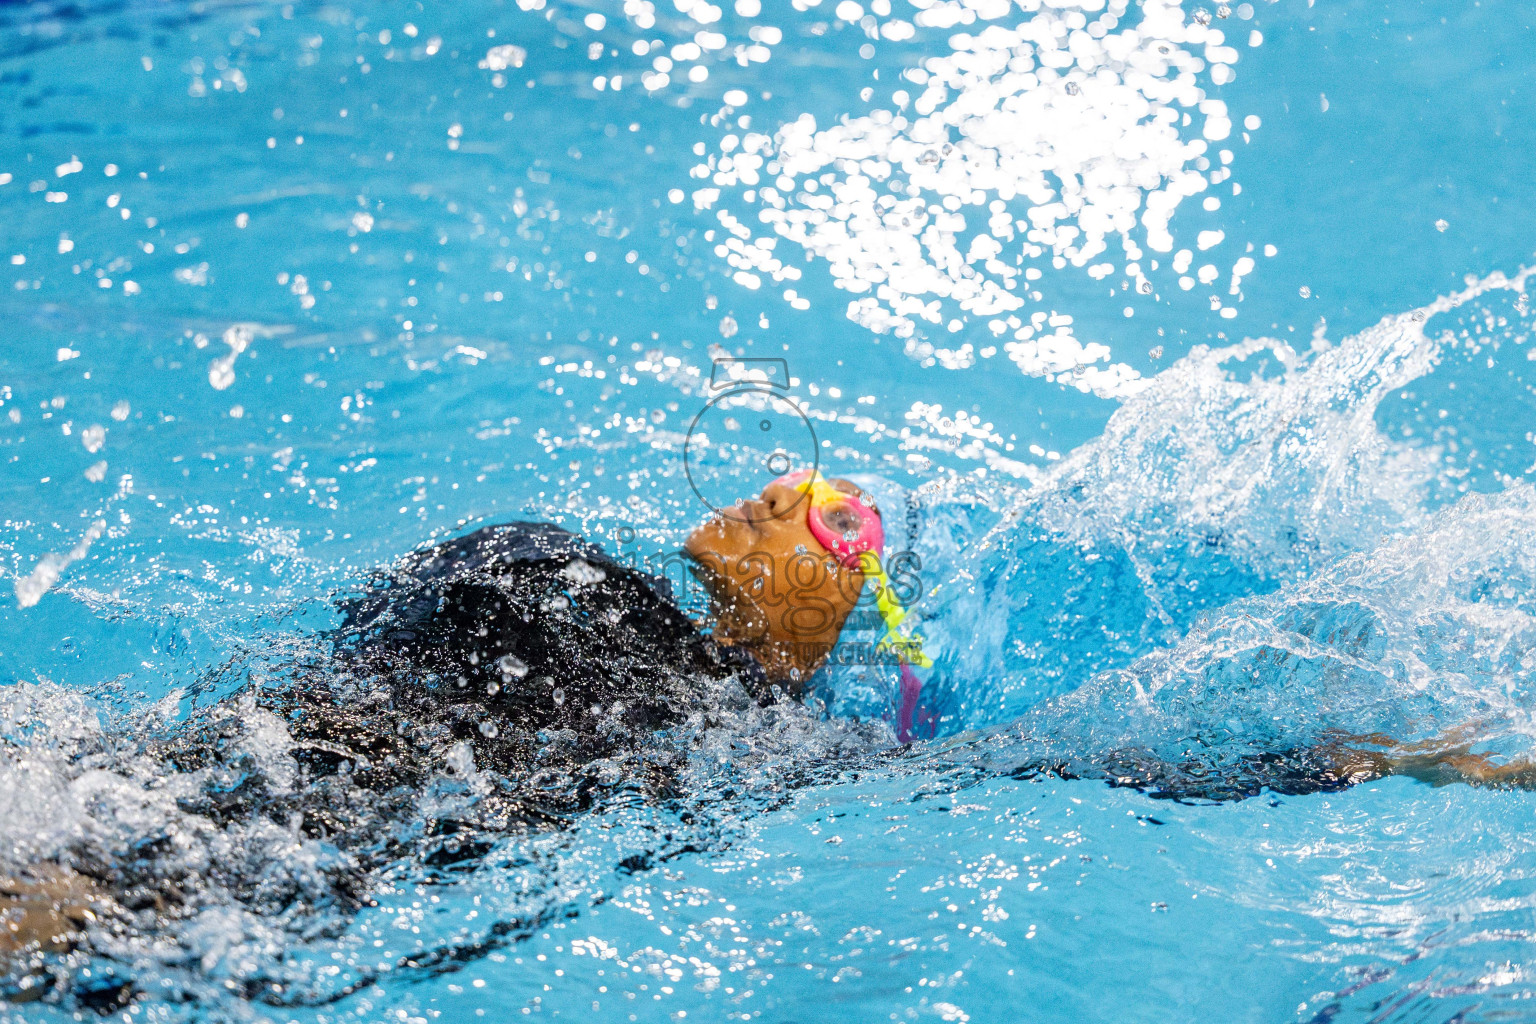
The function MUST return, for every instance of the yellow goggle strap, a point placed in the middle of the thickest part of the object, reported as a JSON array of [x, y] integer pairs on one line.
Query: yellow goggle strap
[[909, 648]]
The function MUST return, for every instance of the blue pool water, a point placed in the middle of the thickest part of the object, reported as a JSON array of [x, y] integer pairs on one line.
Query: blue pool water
[[293, 288]]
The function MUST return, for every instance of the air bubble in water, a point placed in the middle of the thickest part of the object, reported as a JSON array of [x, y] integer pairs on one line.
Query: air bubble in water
[[511, 666], [488, 729], [558, 695]]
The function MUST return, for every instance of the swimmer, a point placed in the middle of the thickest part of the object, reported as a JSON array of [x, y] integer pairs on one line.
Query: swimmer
[[506, 658], [535, 669]]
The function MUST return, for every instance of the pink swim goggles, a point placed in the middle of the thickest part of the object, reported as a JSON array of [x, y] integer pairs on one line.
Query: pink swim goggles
[[852, 532], [842, 523]]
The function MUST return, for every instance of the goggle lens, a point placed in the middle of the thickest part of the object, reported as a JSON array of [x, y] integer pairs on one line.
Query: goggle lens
[[839, 521]]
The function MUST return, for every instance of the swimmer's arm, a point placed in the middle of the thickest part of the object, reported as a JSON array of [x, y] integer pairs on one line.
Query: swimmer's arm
[[1443, 761]]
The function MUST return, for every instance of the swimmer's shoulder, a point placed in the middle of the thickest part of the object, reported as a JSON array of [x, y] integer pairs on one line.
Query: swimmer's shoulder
[[495, 548], [491, 566]]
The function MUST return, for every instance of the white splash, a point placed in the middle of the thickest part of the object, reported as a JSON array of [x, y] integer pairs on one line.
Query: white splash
[[1238, 469], [31, 587], [40, 813], [1407, 638], [1214, 447]]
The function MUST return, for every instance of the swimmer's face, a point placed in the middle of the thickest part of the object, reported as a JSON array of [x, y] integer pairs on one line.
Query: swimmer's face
[[773, 586]]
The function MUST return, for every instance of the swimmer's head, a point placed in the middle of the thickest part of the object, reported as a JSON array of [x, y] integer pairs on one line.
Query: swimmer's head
[[784, 570]]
